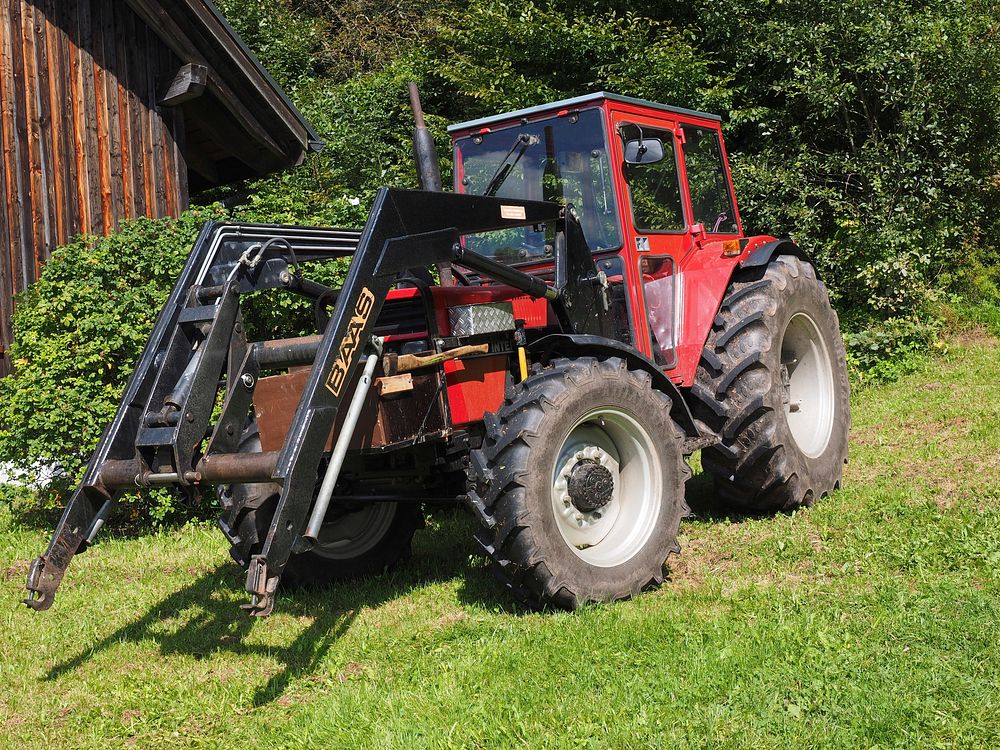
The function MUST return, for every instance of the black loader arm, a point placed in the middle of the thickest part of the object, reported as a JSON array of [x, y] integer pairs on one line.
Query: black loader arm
[[157, 436]]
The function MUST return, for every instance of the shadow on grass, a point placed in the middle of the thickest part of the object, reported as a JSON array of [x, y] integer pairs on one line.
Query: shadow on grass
[[707, 505], [211, 621]]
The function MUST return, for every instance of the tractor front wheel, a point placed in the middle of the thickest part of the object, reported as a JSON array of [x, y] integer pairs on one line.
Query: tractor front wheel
[[580, 482], [356, 541], [772, 383]]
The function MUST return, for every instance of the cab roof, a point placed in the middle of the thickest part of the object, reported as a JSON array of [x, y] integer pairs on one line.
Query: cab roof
[[577, 101]]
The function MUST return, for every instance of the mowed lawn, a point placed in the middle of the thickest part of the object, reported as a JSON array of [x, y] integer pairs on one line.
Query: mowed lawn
[[868, 621]]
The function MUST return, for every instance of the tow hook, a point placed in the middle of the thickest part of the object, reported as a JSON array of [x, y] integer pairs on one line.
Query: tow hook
[[260, 587]]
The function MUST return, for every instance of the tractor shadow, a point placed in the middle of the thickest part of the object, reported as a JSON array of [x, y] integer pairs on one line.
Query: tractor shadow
[[203, 618], [705, 502]]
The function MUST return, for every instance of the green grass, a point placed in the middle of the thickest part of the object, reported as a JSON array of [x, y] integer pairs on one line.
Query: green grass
[[868, 621]]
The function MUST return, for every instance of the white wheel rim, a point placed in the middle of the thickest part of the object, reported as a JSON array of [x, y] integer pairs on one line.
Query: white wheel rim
[[807, 383], [614, 533], [355, 533]]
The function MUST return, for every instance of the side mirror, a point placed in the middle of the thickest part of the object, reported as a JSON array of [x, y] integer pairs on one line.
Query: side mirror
[[645, 151]]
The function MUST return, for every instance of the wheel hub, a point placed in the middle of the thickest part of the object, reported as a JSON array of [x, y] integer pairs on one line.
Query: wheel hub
[[590, 485], [807, 385]]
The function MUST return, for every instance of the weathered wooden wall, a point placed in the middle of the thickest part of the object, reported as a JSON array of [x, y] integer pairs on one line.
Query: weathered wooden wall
[[83, 142]]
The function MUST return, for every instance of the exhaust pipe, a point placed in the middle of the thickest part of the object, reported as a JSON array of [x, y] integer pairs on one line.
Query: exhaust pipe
[[424, 152], [428, 169]]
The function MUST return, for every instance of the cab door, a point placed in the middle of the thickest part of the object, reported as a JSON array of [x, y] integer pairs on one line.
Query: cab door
[[656, 225]]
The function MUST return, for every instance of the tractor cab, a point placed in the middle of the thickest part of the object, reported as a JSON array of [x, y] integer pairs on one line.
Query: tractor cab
[[653, 192]]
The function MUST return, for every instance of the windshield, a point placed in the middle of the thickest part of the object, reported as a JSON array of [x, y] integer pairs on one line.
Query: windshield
[[560, 159]]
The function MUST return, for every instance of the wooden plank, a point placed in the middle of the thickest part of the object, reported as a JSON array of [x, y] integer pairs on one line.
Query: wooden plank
[[111, 86], [36, 195], [136, 74], [10, 171], [180, 163], [6, 287], [61, 155], [46, 147], [88, 108], [391, 384], [63, 22], [156, 127], [169, 117], [122, 15], [67, 51], [186, 84], [79, 117], [100, 109], [22, 171]]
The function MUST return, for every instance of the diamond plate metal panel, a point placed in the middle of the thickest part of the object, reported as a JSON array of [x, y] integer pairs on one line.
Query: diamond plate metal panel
[[490, 317]]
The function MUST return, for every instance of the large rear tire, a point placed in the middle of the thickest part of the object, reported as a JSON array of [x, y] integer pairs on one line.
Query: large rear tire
[[580, 483], [772, 384]]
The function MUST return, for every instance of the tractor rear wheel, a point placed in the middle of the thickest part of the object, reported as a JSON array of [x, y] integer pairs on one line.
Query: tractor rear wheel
[[772, 383], [363, 540], [580, 483]]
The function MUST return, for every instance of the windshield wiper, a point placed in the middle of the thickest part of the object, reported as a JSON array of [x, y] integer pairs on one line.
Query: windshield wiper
[[510, 161]]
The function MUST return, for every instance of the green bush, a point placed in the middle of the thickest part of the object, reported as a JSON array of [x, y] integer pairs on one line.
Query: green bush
[[78, 332]]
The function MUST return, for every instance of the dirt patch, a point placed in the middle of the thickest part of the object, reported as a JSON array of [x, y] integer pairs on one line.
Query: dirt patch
[[15, 721], [18, 570], [131, 714], [449, 619], [699, 558], [938, 386], [976, 336], [351, 669]]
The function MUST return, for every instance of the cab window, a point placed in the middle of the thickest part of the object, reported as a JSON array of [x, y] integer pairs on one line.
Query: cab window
[[558, 159], [711, 199], [653, 185]]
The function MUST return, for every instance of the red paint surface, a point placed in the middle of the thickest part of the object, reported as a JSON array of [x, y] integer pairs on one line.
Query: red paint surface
[[474, 387]]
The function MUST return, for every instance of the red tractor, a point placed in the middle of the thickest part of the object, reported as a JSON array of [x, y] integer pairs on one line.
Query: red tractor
[[598, 315]]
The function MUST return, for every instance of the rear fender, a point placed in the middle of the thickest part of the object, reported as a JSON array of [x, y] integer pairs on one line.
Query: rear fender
[[762, 254]]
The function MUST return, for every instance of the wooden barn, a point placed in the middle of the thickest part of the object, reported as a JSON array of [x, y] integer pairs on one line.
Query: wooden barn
[[113, 109]]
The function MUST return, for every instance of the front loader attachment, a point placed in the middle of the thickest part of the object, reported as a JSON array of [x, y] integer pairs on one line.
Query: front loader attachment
[[163, 432]]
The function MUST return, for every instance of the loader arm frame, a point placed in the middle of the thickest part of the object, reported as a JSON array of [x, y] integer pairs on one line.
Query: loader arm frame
[[157, 435]]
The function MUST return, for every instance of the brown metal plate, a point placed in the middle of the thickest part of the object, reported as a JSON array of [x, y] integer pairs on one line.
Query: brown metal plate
[[383, 421]]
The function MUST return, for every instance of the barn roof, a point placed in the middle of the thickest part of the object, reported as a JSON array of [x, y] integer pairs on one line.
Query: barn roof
[[238, 121]]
